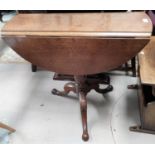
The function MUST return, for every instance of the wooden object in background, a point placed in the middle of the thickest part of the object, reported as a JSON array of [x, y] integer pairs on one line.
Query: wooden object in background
[[146, 89], [4, 126], [147, 63]]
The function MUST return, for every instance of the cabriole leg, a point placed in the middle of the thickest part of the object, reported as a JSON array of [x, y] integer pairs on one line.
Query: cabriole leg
[[67, 89], [83, 107], [83, 89]]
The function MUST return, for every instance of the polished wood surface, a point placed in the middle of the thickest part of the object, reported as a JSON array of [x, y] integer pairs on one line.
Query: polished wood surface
[[76, 24], [147, 63], [76, 56], [84, 52]]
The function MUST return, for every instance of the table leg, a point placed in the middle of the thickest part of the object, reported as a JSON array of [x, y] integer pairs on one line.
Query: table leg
[[133, 66], [132, 86], [67, 89], [83, 89], [82, 86], [34, 68], [83, 108]]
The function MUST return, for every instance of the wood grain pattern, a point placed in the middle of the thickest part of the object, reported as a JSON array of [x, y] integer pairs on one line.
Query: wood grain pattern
[[72, 43], [76, 24], [76, 56], [147, 63]]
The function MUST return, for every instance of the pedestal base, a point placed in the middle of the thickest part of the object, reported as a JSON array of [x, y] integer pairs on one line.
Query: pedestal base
[[81, 86]]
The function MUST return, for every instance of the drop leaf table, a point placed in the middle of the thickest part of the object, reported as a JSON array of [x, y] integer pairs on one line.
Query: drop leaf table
[[80, 46]]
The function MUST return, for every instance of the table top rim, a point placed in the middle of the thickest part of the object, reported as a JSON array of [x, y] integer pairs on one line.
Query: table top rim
[[10, 28]]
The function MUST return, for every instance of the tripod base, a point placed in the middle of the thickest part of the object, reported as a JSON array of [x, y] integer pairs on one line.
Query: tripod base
[[82, 85]]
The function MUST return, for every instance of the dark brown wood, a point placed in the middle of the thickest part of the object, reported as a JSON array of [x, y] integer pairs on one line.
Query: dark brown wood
[[82, 92], [74, 56], [129, 67], [82, 86], [67, 89], [83, 40], [101, 78], [34, 68], [83, 108], [63, 77], [133, 66]]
